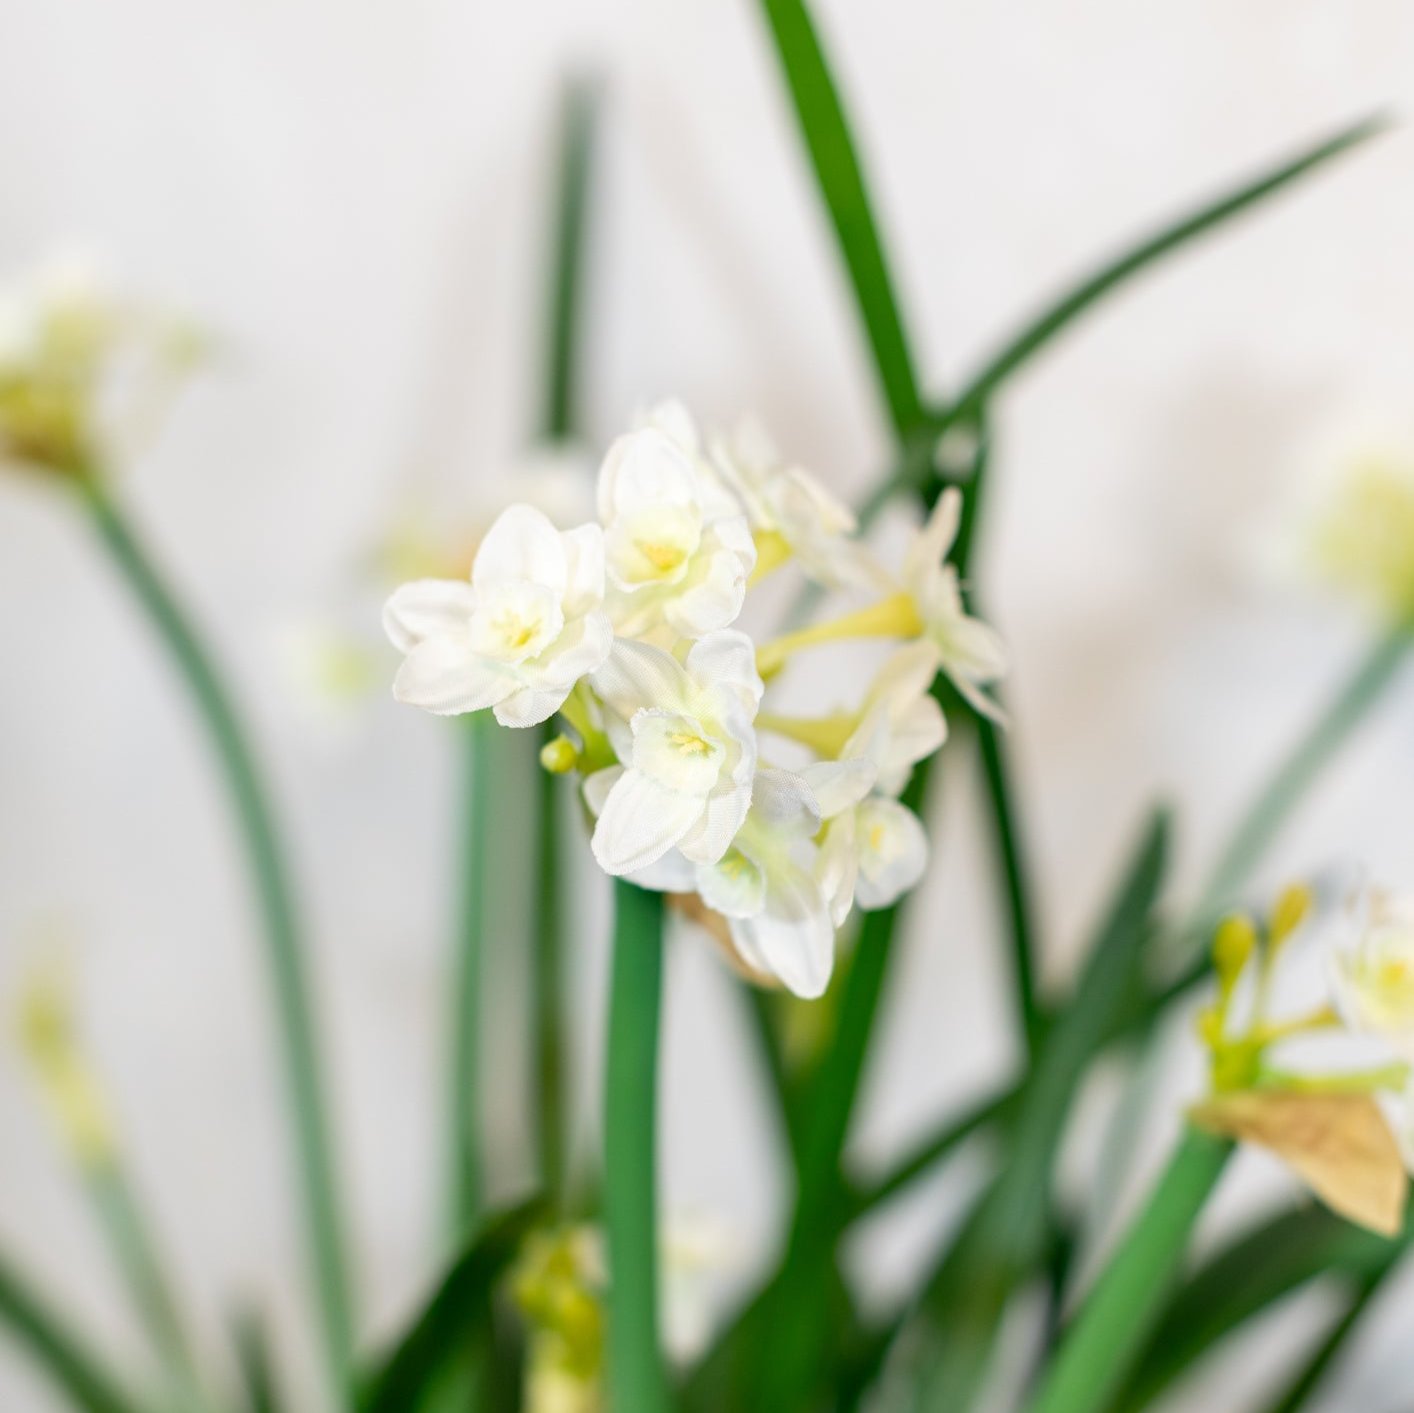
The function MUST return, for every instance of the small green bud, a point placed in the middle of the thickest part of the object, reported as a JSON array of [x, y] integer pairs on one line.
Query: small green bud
[[559, 756]]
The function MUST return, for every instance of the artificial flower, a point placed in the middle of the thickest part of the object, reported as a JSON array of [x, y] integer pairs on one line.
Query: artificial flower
[[793, 513], [678, 553], [683, 733], [517, 638], [968, 650]]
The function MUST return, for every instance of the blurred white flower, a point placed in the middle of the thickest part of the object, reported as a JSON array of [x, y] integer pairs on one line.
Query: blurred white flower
[[684, 734], [1372, 971], [678, 550], [81, 370], [969, 651], [519, 636], [1362, 532], [792, 513], [435, 541]]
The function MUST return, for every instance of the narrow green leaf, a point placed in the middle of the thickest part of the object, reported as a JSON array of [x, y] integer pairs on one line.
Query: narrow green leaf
[[1038, 331], [56, 1349], [256, 1364], [1009, 1233], [1244, 1279], [1310, 1375], [285, 955], [841, 182], [456, 1316], [559, 418], [1117, 1315]]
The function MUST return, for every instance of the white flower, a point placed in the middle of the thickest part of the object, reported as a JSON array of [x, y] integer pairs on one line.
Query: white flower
[[873, 850], [1372, 973], [519, 636], [901, 722], [678, 550], [970, 652], [684, 733], [786, 501]]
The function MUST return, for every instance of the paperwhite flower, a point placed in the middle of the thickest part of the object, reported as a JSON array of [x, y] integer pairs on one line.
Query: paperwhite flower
[[873, 850], [786, 501], [1372, 972], [519, 636], [678, 550], [901, 722], [971, 653], [685, 736]]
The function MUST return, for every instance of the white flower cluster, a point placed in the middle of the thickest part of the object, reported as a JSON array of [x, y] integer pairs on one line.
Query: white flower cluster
[[625, 628]]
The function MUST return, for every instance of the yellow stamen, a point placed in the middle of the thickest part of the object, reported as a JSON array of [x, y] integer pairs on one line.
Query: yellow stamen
[[689, 744], [664, 558]]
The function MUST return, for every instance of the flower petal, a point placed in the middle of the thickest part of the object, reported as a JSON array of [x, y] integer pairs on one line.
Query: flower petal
[[530, 706], [712, 834], [639, 675], [643, 469], [428, 608], [839, 785], [442, 676], [521, 545], [794, 936], [640, 822], [893, 852], [726, 659], [584, 569]]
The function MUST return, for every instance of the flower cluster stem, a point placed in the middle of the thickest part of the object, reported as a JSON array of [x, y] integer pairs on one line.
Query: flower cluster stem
[[637, 1382], [284, 950]]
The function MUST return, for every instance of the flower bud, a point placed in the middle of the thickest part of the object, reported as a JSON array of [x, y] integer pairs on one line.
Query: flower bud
[[559, 756]]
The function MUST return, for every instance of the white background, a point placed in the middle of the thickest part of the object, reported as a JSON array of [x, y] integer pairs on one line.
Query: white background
[[352, 198]]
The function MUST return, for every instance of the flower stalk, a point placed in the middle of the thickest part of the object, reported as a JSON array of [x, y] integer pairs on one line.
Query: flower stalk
[[285, 958], [637, 1380]]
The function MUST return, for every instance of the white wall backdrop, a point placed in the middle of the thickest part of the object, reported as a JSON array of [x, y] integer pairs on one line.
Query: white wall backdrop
[[352, 197]]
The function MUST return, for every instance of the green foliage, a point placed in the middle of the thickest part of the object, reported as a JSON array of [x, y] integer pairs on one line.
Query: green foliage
[[455, 1318]]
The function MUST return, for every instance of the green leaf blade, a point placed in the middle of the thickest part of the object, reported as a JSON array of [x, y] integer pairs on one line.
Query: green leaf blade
[[840, 177], [1058, 315]]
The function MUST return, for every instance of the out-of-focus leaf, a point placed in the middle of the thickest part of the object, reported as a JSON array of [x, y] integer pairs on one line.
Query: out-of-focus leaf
[[257, 1368], [1242, 1280], [456, 1317], [1038, 331], [1339, 1143], [1009, 1233], [58, 1350], [1099, 1348], [840, 179]]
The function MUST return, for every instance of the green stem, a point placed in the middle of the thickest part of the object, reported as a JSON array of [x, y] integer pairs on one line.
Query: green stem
[[478, 745], [136, 1253], [1016, 896], [548, 983], [58, 1351], [1270, 810], [284, 952], [1129, 1296], [637, 1381]]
